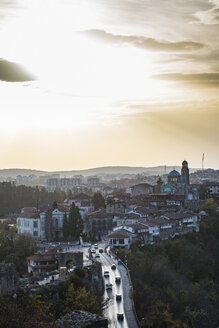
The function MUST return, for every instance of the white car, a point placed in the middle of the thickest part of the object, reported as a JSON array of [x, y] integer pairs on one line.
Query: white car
[[86, 245], [93, 251], [97, 255], [106, 274]]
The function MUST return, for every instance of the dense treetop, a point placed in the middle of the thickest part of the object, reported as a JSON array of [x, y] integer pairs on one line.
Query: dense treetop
[[13, 198]]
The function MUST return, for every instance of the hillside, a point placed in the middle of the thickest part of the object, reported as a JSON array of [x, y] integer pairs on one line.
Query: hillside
[[114, 170], [176, 282]]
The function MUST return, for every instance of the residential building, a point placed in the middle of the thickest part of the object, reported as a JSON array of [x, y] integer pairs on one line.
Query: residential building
[[43, 261], [121, 238], [29, 224], [141, 189], [99, 222]]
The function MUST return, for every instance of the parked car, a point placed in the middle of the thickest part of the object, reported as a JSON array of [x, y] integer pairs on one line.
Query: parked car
[[120, 316], [100, 250], [113, 267], [106, 274], [109, 286], [118, 297], [118, 280]]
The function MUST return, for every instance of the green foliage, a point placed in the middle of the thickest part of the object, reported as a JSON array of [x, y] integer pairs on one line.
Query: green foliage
[[13, 198], [16, 249], [98, 201], [25, 312], [65, 228], [209, 206], [176, 282], [80, 272], [69, 296], [75, 223], [202, 192]]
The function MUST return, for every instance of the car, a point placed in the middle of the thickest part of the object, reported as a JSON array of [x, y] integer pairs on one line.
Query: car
[[97, 255], [117, 280], [118, 297], [86, 244], [93, 251], [100, 250], [95, 246], [120, 316], [106, 274], [109, 286], [113, 267]]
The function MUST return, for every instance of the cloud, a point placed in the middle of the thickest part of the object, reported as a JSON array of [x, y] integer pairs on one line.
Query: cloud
[[210, 16], [143, 42], [12, 72], [206, 79]]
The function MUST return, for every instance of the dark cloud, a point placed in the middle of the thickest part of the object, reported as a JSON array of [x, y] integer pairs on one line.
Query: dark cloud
[[143, 42], [12, 72], [207, 79]]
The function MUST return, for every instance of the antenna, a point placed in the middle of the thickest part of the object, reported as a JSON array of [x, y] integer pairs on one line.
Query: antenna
[[203, 158]]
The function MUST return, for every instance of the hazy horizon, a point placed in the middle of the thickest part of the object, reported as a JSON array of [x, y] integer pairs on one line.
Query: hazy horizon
[[103, 167], [108, 83]]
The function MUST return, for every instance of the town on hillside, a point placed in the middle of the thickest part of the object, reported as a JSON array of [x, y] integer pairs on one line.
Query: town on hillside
[[73, 224]]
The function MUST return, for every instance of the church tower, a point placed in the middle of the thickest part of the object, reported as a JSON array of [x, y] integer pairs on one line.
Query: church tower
[[185, 173]]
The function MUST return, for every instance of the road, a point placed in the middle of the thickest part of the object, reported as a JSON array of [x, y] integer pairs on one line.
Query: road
[[124, 288]]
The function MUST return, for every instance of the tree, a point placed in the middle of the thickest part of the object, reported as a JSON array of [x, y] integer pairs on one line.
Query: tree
[[98, 201], [202, 192], [75, 222], [49, 229], [15, 249], [209, 206], [65, 228]]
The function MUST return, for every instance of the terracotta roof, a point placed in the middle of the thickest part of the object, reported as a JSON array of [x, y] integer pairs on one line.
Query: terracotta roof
[[119, 234], [41, 257], [142, 185], [100, 214], [28, 210], [177, 216], [81, 196], [29, 215]]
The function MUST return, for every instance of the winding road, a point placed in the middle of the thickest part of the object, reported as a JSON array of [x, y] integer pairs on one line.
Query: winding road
[[124, 288]]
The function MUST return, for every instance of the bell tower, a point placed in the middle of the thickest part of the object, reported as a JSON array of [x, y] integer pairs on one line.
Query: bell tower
[[185, 173]]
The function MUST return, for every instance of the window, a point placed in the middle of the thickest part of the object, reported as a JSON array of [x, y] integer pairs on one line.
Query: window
[[26, 224], [35, 224], [35, 233], [121, 241]]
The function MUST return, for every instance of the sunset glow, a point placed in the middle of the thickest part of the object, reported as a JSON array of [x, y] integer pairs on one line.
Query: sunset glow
[[108, 71]]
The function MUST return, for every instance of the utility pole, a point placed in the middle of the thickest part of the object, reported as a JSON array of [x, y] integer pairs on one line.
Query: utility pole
[[203, 158]]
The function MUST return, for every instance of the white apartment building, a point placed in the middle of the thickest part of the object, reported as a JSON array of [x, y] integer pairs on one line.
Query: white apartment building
[[29, 224], [34, 224]]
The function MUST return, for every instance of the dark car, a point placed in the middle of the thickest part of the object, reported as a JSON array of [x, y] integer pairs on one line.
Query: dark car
[[117, 280], [118, 297], [100, 250], [113, 267], [120, 316]]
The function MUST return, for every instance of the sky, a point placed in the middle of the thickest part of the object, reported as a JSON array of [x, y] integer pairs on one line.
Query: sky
[[108, 82]]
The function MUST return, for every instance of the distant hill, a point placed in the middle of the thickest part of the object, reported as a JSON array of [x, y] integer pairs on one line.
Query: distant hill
[[114, 170]]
